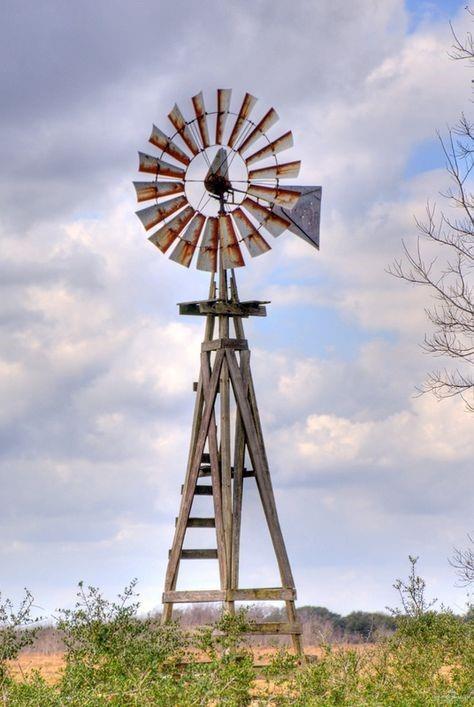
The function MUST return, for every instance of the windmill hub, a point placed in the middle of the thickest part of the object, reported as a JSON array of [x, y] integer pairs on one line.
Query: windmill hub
[[217, 180]]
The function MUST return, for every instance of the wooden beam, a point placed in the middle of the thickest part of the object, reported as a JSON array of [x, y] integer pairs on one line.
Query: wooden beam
[[198, 554], [210, 595], [224, 343], [199, 595], [284, 629], [263, 594], [201, 523]]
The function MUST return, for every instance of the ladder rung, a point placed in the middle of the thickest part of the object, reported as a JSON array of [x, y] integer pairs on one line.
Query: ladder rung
[[198, 554], [247, 473], [201, 490], [201, 523], [203, 595], [284, 629]]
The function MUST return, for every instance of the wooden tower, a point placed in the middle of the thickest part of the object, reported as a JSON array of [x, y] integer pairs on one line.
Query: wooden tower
[[227, 448]]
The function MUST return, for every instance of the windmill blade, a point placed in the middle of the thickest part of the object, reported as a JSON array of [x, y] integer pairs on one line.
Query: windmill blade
[[153, 165], [255, 242], [279, 171], [165, 235], [207, 258], [154, 190], [244, 112], [177, 119], [158, 212], [260, 129], [223, 106], [200, 111], [165, 143], [283, 197], [274, 223], [230, 251], [305, 217], [184, 251], [281, 143]]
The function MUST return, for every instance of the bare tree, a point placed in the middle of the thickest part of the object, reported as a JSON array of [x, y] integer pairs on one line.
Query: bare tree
[[463, 562], [443, 261]]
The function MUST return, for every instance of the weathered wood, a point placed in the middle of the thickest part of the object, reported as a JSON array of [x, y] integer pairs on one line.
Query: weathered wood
[[210, 393], [246, 473], [239, 458], [211, 595], [259, 464], [201, 523], [224, 343], [198, 554], [273, 627], [201, 308], [200, 490], [199, 595], [263, 594], [172, 570], [216, 481]]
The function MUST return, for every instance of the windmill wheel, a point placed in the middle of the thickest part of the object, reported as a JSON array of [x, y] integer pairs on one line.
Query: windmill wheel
[[220, 196]]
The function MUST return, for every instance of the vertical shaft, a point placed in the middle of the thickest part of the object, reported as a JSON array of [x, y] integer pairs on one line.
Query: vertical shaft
[[226, 471]]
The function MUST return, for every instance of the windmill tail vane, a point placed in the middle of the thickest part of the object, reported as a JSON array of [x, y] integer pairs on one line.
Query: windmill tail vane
[[206, 203]]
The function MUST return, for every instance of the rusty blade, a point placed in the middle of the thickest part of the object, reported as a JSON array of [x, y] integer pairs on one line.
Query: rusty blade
[[254, 240], [157, 212], [199, 109], [279, 171], [223, 105], [153, 165], [283, 197], [281, 143], [260, 129], [165, 143], [244, 112], [230, 250], [165, 235], [184, 251], [265, 217], [153, 190], [177, 119], [207, 257]]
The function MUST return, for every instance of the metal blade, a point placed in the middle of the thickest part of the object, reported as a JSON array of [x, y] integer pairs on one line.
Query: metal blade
[[223, 105], [165, 235], [230, 250], [274, 223], [278, 145], [283, 197], [305, 216], [219, 165], [207, 257], [165, 143], [244, 112], [153, 165], [260, 129], [177, 119], [153, 190], [254, 240], [184, 251], [157, 212], [279, 171], [200, 111]]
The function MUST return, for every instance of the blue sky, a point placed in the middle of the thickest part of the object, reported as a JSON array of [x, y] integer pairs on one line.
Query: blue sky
[[96, 367]]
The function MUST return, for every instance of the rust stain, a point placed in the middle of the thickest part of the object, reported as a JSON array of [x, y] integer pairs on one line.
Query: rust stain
[[274, 224], [178, 121], [165, 236], [223, 106], [184, 251], [281, 143], [230, 250], [200, 111], [275, 195], [163, 142], [268, 120], [207, 258], [152, 215], [153, 165], [279, 171], [255, 242], [154, 190], [245, 110]]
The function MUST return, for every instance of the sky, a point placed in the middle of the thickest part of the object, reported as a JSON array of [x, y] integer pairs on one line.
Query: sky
[[96, 366]]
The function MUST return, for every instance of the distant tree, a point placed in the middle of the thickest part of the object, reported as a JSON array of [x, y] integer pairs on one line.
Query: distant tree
[[463, 561], [448, 270]]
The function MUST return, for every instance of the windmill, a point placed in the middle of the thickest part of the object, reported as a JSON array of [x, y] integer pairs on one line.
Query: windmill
[[217, 184]]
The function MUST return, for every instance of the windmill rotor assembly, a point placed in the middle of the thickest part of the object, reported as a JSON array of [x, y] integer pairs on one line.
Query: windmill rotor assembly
[[217, 187]]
